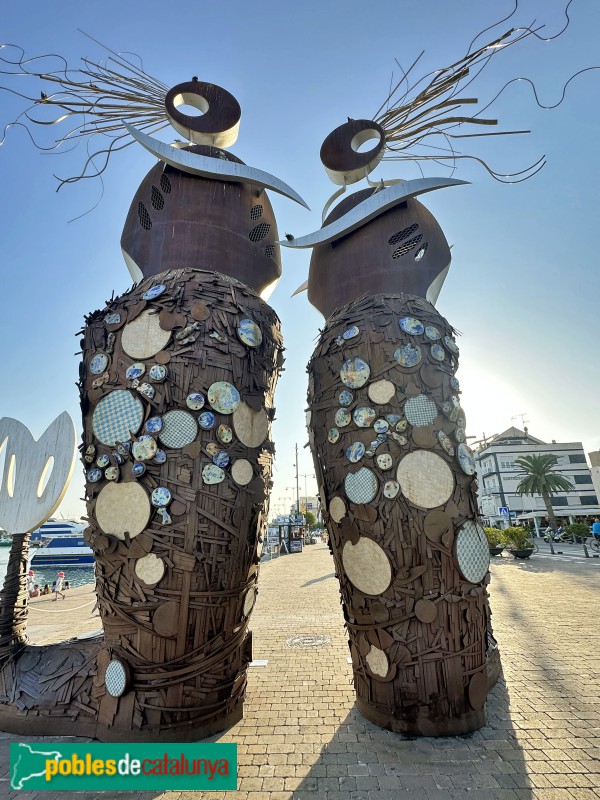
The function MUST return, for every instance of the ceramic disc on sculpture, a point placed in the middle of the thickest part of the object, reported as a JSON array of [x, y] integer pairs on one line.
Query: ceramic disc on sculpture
[[381, 392], [117, 416], [355, 452], [346, 397], [103, 461], [333, 435], [251, 427], [206, 420], [117, 458], [157, 373], [122, 507], [450, 344], [459, 434], [212, 448], [116, 678], [94, 475], [461, 420], [391, 489], [401, 425], [411, 325], [160, 497], [154, 292], [384, 461], [364, 416], [446, 443], [350, 333], [381, 426], [342, 417], [144, 337], [111, 473], [138, 468], [150, 568], [438, 352], [160, 457], [466, 459], [249, 601], [409, 355], [224, 434], [367, 566], [337, 509], [361, 487], [221, 459], [134, 371], [212, 474], [146, 389], [144, 448], [242, 472], [432, 333], [478, 689], [90, 454], [425, 611], [377, 661], [436, 524], [424, 437], [153, 425], [223, 397], [249, 333], [179, 428], [355, 373], [98, 363], [420, 411], [425, 479], [195, 401], [472, 552], [454, 384], [112, 318], [166, 619]]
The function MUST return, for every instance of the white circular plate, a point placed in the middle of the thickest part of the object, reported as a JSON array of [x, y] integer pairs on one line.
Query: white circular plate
[[143, 337], [150, 569], [425, 479], [117, 416], [367, 566], [381, 392], [472, 552], [122, 507]]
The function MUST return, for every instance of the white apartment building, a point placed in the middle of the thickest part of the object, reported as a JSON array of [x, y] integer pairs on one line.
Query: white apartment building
[[499, 477]]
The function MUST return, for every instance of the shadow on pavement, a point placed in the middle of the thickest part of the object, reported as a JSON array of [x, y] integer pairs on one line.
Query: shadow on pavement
[[318, 580], [364, 762]]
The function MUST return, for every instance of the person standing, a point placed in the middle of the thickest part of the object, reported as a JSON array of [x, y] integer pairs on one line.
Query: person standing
[[596, 527], [58, 589], [30, 582]]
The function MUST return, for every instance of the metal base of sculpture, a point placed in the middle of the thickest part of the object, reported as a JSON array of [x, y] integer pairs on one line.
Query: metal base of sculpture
[[397, 479]]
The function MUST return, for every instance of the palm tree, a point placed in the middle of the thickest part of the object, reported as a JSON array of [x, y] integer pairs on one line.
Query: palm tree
[[539, 478]]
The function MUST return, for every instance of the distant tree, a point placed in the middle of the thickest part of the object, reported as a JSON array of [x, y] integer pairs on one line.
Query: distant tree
[[539, 478], [310, 519]]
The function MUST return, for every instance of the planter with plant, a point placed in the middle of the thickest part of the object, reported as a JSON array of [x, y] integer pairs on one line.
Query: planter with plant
[[518, 541], [495, 540], [578, 531]]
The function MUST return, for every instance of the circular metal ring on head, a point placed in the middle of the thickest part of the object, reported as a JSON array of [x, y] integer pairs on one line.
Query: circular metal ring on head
[[219, 123], [340, 154]]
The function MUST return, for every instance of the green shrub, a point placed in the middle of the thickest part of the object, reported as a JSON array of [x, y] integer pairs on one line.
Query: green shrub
[[517, 538], [494, 537], [578, 530]]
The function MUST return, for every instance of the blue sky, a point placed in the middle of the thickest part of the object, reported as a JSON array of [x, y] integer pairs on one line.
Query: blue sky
[[524, 287]]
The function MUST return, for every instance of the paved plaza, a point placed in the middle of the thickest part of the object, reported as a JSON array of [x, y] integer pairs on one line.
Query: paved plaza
[[302, 739]]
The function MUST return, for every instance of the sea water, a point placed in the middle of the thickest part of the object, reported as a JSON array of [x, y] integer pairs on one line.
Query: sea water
[[75, 575]]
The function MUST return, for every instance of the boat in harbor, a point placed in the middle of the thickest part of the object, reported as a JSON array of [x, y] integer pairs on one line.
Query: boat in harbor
[[62, 546]]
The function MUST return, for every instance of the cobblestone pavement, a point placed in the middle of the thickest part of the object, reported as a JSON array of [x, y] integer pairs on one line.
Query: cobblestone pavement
[[302, 739]]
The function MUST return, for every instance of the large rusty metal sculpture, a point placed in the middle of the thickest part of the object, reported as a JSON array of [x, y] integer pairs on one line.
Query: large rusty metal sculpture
[[177, 385]]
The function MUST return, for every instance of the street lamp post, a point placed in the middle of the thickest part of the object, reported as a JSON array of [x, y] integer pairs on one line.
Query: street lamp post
[[306, 475]]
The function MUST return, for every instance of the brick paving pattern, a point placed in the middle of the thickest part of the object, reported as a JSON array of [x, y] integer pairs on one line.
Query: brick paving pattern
[[302, 739]]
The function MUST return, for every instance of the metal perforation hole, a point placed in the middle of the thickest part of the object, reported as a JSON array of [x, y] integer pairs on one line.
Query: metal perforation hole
[[258, 233], [421, 252], [256, 212], [270, 250], [398, 237], [158, 201], [404, 248], [144, 217], [165, 184]]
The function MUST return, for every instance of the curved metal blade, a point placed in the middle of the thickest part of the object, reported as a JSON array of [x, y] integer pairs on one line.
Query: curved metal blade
[[301, 289], [370, 208], [206, 167]]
